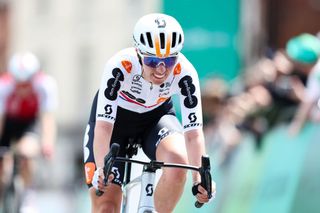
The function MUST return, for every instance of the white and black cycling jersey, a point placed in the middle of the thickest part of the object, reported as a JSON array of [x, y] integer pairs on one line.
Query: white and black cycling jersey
[[122, 85]]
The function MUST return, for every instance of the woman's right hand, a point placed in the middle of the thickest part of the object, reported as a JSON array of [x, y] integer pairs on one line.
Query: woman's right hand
[[98, 181]]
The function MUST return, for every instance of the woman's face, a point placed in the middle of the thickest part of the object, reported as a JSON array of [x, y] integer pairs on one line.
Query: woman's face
[[156, 75], [157, 70]]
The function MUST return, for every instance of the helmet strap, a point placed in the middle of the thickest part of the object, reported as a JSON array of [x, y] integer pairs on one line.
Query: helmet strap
[[140, 59]]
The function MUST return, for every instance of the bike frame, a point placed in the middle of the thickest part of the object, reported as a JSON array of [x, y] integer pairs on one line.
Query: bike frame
[[146, 203]]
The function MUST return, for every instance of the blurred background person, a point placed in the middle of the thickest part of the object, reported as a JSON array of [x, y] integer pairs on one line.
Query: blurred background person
[[304, 51], [28, 99]]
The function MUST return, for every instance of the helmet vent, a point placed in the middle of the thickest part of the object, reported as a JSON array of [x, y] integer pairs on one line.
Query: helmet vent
[[180, 39], [149, 39], [142, 39], [162, 40], [174, 37]]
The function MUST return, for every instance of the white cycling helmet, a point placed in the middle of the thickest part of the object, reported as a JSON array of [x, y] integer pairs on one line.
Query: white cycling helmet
[[23, 66], [159, 35]]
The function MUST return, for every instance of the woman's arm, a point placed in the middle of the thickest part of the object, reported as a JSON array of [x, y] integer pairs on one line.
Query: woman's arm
[[196, 148], [101, 142]]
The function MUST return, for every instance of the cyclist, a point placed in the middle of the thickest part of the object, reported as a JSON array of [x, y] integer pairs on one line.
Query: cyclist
[[28, 96], [304, 51], [134, 101]]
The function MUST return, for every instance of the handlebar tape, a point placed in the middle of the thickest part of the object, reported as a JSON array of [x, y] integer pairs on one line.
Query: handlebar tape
[[108, 163]]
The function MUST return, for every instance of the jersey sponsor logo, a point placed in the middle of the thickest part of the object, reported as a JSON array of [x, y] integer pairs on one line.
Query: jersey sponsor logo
[[113, 84], [135, 90], [164, 89], [129, 95], [165, 85], [161, 99], [164, 132], [160, 22], [127, 65], [136, 84], [106, 116], [149, 189], [192, 117], [164, 93], [108, 109], [188, 89], [136, 78], [125, 95], [191, 125]]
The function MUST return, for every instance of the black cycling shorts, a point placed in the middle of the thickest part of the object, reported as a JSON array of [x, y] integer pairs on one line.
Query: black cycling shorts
[[146, 128], [14, 129]]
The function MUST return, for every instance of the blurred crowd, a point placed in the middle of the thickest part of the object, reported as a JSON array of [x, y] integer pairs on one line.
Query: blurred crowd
[[274, 90]]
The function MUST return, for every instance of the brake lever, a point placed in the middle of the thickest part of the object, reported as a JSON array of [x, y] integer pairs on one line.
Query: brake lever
[[108, 163], [206, 179]]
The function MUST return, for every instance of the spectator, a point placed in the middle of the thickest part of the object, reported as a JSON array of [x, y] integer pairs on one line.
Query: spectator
[[273, 90], [304, 51]]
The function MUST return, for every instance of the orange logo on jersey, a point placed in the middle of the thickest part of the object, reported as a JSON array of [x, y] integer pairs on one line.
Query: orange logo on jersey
[[177, 69], [127, 65], [89, 169], [161, 99]]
